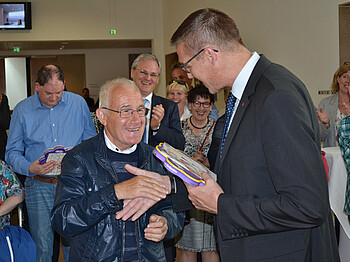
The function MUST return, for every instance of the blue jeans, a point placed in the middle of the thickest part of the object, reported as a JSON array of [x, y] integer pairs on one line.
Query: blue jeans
[[39, 198]]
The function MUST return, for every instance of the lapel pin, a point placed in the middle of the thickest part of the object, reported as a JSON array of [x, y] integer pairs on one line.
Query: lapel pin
[[243, 104]]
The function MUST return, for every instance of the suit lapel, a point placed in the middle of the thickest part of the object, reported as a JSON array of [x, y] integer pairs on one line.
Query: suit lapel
[[244, 103]]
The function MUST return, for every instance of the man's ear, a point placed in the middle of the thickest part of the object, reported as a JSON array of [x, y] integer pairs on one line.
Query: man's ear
[[132, 73], [212, 56], [101, 115], [36, 86]]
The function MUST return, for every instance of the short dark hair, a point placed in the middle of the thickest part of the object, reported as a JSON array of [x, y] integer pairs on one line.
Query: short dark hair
[[207, 28], [87, 89], [46, 73], [176, 65], [199, 91]]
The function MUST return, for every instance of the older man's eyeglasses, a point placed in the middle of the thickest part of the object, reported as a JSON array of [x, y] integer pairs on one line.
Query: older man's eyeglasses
[[198, 104], [145, 73], [127, 112], [184, 66]]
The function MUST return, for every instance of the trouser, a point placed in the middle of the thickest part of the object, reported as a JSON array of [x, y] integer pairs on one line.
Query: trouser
[[39, 198]]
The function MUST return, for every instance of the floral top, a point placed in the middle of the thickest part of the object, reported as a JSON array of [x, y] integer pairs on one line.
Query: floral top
[[9, 186], [338, 118], [193, 143]]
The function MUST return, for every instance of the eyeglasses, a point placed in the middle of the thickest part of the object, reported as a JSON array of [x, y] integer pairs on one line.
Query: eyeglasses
[[187, 70], [198, 104], [346, 63], [126, 113], [145, 73]]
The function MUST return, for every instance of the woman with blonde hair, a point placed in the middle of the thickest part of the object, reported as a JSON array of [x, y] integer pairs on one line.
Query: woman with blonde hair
[[177, 92]]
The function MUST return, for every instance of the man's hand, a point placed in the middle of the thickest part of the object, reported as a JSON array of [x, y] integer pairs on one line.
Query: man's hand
[[141, 186], [156, 229], [140, 172], [135, 208], [157, 116], [37, 169], [205, 197]]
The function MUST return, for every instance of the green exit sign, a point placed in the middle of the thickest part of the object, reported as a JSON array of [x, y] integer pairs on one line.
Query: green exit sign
[[113, 31], [16, 50]]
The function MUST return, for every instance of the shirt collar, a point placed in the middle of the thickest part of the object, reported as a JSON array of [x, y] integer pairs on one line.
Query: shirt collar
[[114, 148], [243, 76], [149, 98]]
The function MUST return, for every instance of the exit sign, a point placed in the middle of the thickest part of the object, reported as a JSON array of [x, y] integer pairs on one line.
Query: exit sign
[[113, 31], [16, 50]]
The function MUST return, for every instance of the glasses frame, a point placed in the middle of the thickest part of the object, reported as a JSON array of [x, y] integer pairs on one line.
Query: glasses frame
[[199, 104], [132, 111], [183, 66], [144, 72]]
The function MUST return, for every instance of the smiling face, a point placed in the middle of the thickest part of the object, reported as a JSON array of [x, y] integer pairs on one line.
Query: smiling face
[[344, 82], [123, 132], [142, 76], [51, 92], [200, 113], [178, 96]]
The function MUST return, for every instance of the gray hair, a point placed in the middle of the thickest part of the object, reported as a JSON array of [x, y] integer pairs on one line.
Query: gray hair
[[107, 88], [146, 56]]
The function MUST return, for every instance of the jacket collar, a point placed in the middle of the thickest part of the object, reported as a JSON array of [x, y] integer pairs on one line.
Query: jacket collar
[[250, 89]]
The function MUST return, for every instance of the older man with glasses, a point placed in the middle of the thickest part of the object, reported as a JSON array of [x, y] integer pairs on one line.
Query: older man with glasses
[[163, 120], [95, 184]]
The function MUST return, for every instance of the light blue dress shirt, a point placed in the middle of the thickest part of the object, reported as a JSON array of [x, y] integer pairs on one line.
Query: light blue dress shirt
[[35, 128]]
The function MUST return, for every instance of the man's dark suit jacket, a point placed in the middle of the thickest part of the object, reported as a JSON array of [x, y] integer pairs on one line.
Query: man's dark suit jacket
[[170, 128], [275, 203]]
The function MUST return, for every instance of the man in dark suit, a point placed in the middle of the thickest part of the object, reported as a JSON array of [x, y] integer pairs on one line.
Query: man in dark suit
[[163, 123], [271, 197]]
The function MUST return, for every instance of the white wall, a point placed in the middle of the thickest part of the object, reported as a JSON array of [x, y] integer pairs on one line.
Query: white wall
[[16, 85]]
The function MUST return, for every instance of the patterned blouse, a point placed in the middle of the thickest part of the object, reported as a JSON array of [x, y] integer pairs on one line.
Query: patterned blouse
[[344, 143], [9, 186], [193, 143]]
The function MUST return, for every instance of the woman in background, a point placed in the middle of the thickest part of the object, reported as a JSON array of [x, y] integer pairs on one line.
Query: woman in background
[[177, 91], [198, 236], [334, 108]]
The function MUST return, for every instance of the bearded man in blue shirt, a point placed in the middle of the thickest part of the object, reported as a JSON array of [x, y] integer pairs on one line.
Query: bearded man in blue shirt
[[51, 117]]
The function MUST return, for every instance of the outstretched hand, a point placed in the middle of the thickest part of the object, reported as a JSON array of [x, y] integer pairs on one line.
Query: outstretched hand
[[139, 205]]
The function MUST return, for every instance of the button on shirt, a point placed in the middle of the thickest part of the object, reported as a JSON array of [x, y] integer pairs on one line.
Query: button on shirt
[[35, 128]]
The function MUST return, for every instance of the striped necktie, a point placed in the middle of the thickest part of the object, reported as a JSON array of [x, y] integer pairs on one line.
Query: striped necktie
[[230, 105]]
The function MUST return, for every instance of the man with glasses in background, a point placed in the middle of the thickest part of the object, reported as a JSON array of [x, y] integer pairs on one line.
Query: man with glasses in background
[[163, 120], [95, 184]]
